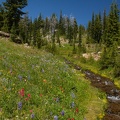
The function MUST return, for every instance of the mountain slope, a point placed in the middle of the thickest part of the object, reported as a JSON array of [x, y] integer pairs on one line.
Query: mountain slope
[[36, 84]]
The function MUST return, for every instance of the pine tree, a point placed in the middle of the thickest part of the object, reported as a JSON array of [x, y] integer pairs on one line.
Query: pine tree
[[104, 27], [113, 26], [97, 29], [13, 10], [13, 33], [93, 27], [1, 16], [80, 37], [61, 24], [89, 34]]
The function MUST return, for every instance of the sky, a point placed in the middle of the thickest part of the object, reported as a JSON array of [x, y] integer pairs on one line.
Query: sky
[[80, 9]]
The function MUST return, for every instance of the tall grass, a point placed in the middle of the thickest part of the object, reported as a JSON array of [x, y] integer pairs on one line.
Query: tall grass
[[37, 85]]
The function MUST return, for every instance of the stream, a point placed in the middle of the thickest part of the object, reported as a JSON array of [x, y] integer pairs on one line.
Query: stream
[[106, 85]]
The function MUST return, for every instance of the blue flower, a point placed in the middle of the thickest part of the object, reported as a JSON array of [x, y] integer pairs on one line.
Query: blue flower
[[72, 104], [55, 117], [32, 115], [57, 99], [19, 105], [72, 95], [62, 113], [20, 77]]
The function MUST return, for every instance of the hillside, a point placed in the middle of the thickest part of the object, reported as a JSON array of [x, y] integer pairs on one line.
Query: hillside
[[37, 85]]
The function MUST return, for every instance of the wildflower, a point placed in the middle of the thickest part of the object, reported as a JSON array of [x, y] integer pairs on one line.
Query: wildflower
[[41, 95], [42, 70], [20, 77], [44, 80], [19, 105], [31, 111], [72, 95], [29, 77], [22, 92], [51, 113], [77, 110], [55, 117], [72, 104], [57, 99], [29, 95], [26, 99], [32, 115], [62, 113]]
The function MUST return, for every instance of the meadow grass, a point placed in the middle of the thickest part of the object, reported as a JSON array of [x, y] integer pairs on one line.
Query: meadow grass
[[89, 64], [38, 85]]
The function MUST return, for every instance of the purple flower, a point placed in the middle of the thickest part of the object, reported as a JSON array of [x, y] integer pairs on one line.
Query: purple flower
[[57, 99], [19, 105], [29, 77], [72, 104], [55, 117], [32, 115], [62, 113], [20, 77], [72, 95]]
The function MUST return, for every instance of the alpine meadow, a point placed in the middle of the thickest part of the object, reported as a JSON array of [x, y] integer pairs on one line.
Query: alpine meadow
[[53, 68]]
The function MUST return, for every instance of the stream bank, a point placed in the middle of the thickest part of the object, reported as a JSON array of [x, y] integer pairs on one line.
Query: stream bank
[[106, 85]]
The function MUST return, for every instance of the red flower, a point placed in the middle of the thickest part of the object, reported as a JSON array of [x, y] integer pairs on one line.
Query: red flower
[[31, 111], [68, 119], [41, 95], [77, 110], [22, 92], [29, 95], [72, 119], [27, 99]]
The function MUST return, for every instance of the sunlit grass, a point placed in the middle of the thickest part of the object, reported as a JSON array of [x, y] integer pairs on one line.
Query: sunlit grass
[[37, 85]]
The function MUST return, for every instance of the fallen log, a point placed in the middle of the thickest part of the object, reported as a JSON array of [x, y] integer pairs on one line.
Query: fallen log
[[4, 34]]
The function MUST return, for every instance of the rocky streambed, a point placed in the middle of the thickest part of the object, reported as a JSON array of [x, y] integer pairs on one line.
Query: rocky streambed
[[106, 85]]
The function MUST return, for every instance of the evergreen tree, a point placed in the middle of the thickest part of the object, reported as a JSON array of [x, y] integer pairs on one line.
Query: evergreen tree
[[13, 11], [61, 24], [35, 32], [97, 29], [89, 33], [104, 27], [39, 39], [13, 33], [1, 16], [93, 27], [113, 26], [80, 37], [46, 26], [24, 28]]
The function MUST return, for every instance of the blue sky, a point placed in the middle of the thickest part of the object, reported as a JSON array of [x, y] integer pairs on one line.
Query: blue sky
[[80, 9]]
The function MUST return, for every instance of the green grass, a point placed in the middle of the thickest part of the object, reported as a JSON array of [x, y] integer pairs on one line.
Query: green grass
[[37, 85], [89, 64]]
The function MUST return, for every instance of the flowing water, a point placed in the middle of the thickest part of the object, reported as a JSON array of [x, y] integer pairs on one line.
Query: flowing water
[[106, 85]]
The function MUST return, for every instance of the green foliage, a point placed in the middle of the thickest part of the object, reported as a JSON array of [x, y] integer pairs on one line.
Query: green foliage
[[113, 26], [37, 83], [1, 16], [116, 70], [13, 12], [13, 33]]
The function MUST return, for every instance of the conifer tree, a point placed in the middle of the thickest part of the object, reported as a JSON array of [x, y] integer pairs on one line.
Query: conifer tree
[[104, 27], [13, 33], [13, 11], [113, 26], [61, 24], [93, 27], [1, 16], [97, 29]]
